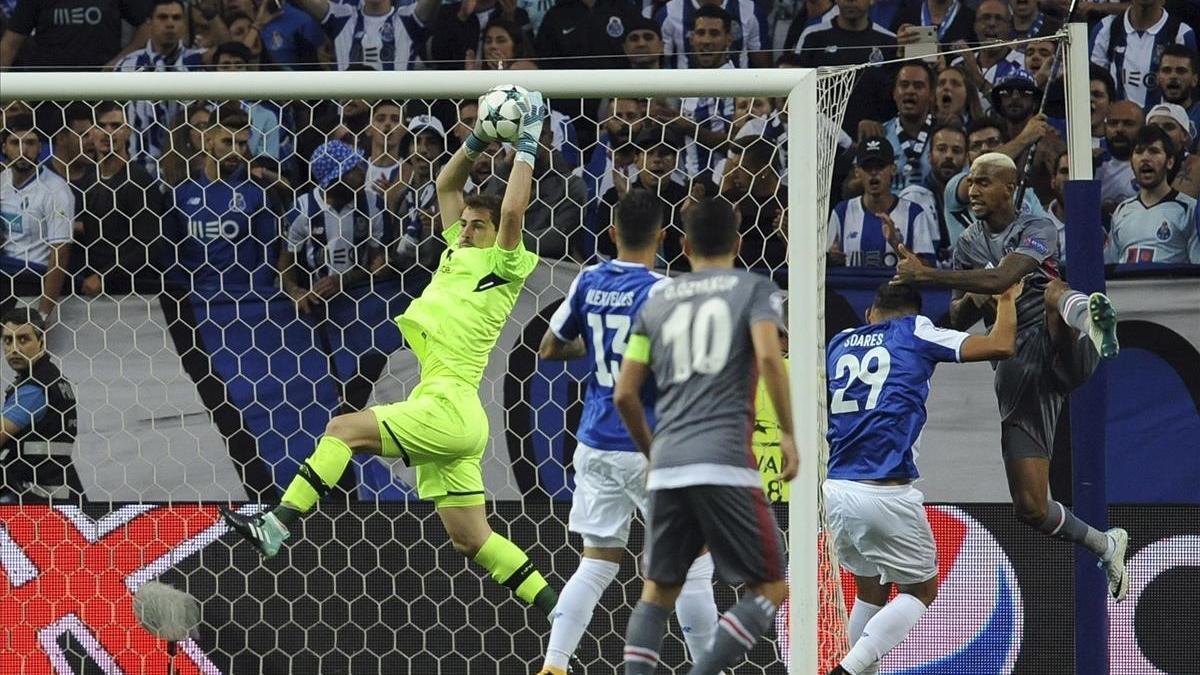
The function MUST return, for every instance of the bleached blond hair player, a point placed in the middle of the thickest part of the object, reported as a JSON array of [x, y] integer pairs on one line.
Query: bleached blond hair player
[[1062, 335]]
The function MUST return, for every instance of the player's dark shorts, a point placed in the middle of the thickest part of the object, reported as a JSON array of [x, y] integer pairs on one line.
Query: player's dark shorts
[[736, 523], [1032, 385]]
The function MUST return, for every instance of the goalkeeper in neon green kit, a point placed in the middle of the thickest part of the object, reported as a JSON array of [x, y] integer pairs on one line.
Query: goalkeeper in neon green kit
[[442, 428]]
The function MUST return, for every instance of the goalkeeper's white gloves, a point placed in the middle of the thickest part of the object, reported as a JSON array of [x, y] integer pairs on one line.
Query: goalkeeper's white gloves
[[533, 113]]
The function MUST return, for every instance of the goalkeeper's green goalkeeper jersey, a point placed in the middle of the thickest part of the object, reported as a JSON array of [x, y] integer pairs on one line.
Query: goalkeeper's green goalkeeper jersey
[[454, 324]]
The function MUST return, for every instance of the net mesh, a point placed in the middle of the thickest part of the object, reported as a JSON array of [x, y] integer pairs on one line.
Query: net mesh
[[220, 309]]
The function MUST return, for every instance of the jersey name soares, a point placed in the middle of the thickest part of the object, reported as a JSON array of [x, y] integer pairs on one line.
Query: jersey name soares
[[865, 340]]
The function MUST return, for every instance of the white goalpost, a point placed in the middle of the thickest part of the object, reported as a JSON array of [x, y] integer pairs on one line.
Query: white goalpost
[[815, 105]]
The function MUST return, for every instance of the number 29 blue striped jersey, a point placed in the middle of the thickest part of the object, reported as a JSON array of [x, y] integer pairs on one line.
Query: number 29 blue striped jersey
[[601, 306], [878, 379]]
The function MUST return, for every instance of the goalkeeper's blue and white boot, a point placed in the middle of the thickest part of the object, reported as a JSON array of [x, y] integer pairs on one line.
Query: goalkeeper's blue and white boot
[[1114, 566], [1103, 326], [264, 530]]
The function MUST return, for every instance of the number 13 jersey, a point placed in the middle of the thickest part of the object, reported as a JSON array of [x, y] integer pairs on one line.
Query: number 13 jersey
[[694, 333], [878, 378], [600, 307]]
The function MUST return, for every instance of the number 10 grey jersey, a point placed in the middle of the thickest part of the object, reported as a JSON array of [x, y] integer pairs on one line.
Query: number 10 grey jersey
[[703, 361]]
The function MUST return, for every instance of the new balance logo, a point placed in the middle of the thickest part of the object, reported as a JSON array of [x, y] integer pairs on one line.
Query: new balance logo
[[489, 282]]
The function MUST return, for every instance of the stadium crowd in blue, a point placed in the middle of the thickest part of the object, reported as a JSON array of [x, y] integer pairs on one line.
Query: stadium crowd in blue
[[316, 204]]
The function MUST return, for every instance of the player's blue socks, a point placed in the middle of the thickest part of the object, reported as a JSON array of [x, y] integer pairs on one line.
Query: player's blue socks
[[1060, 523], [740, 629], [643, 638]]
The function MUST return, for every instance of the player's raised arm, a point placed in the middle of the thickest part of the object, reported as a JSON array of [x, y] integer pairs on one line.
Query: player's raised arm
[[1013, 267], [1001, 342], [450, 182], [520, 179], [453, 176]]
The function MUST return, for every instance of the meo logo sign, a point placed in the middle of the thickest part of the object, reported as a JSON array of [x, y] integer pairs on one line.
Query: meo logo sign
[[77, 16]]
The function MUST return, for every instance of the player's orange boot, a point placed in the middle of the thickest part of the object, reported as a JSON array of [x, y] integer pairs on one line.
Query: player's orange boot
[[550, 670]]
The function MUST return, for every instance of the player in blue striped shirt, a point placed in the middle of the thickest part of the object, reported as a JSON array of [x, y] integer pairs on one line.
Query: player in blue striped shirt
[[594, 321]]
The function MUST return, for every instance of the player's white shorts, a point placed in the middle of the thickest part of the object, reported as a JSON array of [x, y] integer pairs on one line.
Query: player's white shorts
[[609, 485], [881, 530]]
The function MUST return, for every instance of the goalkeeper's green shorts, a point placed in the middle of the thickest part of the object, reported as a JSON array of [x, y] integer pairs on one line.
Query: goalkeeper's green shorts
[[441, 430]]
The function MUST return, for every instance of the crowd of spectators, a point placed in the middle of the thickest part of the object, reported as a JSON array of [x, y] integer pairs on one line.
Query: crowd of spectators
[[109, 198]]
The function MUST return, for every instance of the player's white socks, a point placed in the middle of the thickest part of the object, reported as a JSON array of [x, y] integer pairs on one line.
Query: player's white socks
[[883, 632], [576, 604], [696, 609], [860, 614], [1073, 306]]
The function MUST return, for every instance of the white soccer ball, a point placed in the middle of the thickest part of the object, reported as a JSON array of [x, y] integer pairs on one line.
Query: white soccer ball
[[500, 112]]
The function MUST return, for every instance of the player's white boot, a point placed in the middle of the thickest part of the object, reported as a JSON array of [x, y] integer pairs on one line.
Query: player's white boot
[[1114, 567], [1103, 326]]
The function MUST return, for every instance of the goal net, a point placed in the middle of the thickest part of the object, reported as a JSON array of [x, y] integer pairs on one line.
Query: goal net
[[219, 310]]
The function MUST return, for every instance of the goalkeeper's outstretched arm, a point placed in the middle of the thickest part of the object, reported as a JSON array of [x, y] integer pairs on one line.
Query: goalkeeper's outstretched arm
[[520, 179], [450, 182]]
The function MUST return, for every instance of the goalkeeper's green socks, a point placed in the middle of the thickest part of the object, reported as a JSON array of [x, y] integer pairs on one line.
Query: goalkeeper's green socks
[[322, 470], [510, 567]]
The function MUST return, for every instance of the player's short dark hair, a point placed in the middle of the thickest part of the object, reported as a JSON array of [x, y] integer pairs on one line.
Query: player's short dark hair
[[638, 218], [19, 316], [1100, 74], [1148, 135], [489, 203], [713, 12], [987, 122], [235, 49], [1181, 52], [711, 227], [897, 298]]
